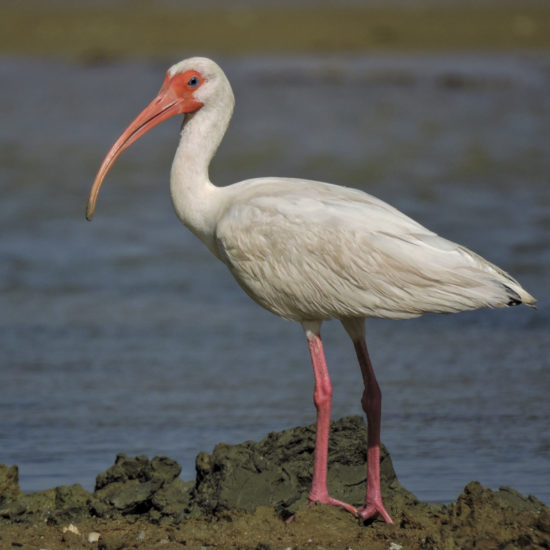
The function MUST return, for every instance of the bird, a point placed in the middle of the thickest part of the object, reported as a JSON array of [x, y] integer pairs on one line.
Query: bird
[[311, 251]]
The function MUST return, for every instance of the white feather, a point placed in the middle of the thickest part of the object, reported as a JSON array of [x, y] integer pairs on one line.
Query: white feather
[[310, 250]]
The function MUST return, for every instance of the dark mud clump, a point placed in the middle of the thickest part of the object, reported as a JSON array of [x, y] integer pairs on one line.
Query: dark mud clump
[[243, 493], [275, 472]]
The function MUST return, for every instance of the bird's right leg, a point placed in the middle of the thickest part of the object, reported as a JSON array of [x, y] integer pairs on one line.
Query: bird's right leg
[[372, 405], [322, 397]]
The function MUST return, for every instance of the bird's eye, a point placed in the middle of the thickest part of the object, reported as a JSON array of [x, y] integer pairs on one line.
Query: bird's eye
[[193, 81]]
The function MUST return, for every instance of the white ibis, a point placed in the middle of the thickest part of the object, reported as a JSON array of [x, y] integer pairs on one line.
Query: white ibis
[[310, 251]]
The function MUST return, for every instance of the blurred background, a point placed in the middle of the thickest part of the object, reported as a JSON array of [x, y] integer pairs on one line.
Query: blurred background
[[126, 335]]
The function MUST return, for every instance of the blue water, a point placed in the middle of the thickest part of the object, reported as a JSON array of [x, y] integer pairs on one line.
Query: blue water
[[127, 335]]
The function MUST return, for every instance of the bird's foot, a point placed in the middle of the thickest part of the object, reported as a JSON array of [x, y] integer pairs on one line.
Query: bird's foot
[[374, 509], [326, 499]]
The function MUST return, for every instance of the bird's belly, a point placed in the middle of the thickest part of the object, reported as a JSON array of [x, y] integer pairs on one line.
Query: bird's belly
[[296, 299], [283, 300]]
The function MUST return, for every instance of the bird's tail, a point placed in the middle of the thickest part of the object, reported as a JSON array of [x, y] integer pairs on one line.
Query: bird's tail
[[518, 295]]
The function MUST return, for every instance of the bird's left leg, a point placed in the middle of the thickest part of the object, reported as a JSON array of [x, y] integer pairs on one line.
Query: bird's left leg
[[322, 397], [372, 405]]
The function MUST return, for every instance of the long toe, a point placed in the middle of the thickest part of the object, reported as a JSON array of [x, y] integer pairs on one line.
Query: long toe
[[371, 511], [335, 502]]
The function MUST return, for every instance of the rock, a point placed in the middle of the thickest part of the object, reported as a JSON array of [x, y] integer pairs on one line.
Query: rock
[[277, 471], [481, 516], [134, 497], [140, 486], [164, 469], [29, 508], [508, 497], [93, 536], [71, 528], [173, 498], [125, 469], [160, 469], [71, 504], [9, 483], [12, 510]]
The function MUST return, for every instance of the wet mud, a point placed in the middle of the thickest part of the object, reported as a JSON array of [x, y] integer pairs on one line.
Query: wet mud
[[254, 495]]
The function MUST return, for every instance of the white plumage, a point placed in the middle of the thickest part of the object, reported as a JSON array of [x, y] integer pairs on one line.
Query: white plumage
[[308, 250], [311, 251]]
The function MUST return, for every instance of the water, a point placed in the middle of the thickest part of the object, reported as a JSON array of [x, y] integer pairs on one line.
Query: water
[[127, 335]]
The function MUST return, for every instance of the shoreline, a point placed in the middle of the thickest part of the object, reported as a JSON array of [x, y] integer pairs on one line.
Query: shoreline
[[255, 496], [100, 35]]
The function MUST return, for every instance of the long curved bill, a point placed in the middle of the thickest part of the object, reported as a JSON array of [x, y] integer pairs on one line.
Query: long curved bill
[[169, 102]]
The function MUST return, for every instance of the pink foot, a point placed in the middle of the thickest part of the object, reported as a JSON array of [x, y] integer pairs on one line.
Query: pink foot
[[374, 509], [326, 499]]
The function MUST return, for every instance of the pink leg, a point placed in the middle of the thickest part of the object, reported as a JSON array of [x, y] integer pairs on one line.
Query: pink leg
[[322, 397], [372, 405]]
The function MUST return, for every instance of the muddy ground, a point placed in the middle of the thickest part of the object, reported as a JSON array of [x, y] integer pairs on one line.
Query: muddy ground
[[254, 496]]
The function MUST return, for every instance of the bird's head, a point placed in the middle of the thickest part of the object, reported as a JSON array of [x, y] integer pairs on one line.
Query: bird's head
[[188, 86]]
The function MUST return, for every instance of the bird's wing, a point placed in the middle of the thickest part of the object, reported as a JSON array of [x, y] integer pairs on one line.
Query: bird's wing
[[318, 251]]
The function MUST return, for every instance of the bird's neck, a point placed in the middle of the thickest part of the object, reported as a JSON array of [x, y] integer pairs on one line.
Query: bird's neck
[[197, 202]]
